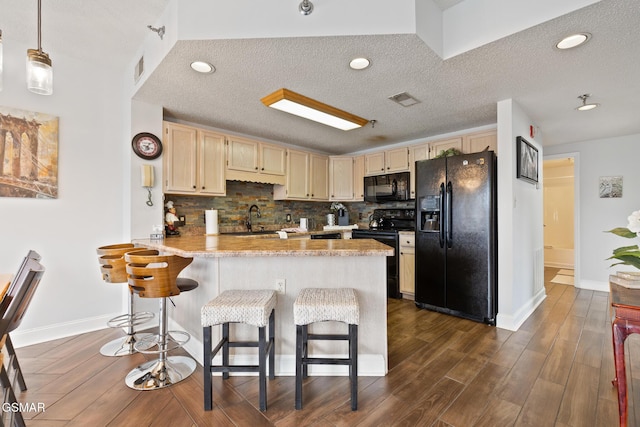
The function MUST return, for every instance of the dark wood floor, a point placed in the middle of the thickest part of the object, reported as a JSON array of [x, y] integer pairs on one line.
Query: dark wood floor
[[444, 371]]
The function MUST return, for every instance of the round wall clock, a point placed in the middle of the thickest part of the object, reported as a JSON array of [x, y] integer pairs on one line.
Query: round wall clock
[[147, 146]]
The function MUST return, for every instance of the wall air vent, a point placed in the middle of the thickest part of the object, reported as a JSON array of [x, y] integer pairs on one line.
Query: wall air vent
[[404, 99], [137, 72]]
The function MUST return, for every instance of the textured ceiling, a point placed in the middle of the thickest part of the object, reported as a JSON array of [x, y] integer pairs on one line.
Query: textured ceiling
[[454, 94]]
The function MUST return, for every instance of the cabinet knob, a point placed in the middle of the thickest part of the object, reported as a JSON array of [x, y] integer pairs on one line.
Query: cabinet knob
[[194, 187], [261, 169], [256, 168], [203, 187]]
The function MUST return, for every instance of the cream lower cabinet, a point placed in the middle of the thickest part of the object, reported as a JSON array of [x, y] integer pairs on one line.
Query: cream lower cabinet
[[407, 264], [307, 177], [194, 161]]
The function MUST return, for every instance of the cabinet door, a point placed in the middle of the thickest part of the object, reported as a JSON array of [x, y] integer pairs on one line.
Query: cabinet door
[[417, 153], [180, 159], [374, 163], [341, 178], [397, 160], [298, 177], [476, 142], [358, 178], [211, 163], [319, 177], [437, 147], [272, 159], [407, 263], [242, 155]]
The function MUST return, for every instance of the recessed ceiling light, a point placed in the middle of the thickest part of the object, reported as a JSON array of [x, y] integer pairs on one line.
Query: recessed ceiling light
[[585, 106], [359, 63], [202, 67], [573, 40]]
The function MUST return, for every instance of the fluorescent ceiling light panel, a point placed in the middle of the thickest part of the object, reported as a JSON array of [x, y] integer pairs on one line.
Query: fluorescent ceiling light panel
[[300, 105]]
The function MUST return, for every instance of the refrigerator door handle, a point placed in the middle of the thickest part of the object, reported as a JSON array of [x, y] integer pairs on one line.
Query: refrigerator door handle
[[449, 215], [441, 207]]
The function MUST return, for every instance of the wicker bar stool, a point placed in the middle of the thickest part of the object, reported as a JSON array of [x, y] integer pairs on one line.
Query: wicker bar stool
[[320, 305], [156, 276], [112, 267], [252, 307]]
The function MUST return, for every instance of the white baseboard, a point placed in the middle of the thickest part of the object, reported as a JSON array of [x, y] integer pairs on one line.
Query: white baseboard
[[592, 285], [513, 322], [25, 337], [369, 365]]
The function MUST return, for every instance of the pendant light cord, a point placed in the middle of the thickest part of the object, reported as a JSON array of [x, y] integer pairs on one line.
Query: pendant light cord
[[39, 26]]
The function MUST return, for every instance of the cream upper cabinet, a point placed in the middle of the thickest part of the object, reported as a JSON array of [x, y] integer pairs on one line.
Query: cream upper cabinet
[[396, 160], [255, 161], [272, 159], [407, 263], [358, 178], [374, 163], [242, 154], [297, 185], [319, 177], [307, 177], [341, 178], [437, 147], [193, 161], [211, 177], [416, 153], [480, 141]]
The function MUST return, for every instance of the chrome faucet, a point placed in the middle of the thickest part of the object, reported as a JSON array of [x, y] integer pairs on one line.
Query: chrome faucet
[[258, 214]]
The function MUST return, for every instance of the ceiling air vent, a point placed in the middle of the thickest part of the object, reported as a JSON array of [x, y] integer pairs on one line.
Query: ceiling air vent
[[404, 99], [137, 72]]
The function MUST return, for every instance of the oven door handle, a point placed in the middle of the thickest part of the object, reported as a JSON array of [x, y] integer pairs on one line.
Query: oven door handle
[[441, 207]]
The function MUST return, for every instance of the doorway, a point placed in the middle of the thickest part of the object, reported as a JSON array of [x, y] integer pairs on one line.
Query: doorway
[[561, 216]]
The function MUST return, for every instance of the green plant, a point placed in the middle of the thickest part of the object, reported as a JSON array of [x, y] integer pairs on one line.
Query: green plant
[[448, 153], [628, 255]]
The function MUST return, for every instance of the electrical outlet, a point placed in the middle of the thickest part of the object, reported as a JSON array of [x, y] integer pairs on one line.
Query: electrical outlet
[[281, 285]]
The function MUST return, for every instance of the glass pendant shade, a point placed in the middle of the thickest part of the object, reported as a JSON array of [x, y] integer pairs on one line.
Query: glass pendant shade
[[39, 72]]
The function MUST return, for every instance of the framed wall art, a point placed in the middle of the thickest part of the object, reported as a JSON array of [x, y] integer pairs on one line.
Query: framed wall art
[[527, 161], [28, 154], [610, 187]]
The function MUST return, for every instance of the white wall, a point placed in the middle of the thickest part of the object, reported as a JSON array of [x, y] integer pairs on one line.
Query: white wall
[[88, 211], [520, 238], [603, 157]]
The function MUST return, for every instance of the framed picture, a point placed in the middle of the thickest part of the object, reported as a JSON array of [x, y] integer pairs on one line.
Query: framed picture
[[527, 155], [610, 187]]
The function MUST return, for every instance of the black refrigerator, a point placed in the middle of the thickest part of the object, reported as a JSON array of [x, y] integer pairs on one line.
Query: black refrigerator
[[456, 236]]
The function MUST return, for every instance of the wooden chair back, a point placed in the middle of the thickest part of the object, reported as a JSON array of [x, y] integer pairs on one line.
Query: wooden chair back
[[19, 296], [112, 263], [152, 275], [30, 255]]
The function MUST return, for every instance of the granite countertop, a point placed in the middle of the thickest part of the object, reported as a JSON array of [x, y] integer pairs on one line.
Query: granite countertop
[[218, 246]]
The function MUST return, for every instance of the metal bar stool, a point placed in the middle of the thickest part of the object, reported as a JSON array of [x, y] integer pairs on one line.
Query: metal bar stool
[[253, 307], [112, 267], [320, 305], [156, 276]]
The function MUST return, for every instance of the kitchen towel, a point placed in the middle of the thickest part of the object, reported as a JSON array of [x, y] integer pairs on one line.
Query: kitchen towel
[[211, 221]]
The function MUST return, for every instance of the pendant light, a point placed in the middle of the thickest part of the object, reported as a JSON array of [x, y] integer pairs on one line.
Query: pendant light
[[39, 71]]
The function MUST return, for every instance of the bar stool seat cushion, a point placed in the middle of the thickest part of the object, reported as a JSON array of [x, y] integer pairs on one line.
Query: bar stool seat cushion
[[324, 304], [252, 307]]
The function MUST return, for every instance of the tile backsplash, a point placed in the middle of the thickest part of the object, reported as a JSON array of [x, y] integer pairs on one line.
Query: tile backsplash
[[233, 209]]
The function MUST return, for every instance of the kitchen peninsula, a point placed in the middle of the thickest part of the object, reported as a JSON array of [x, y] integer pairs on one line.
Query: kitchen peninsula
[[224, 262]]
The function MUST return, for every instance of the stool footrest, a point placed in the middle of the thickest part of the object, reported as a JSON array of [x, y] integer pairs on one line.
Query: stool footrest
[[328, 337], [325, 361], [235, 368], [130, 320]]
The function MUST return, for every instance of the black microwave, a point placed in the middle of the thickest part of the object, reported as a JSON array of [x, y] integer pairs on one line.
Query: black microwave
[[393, 187]]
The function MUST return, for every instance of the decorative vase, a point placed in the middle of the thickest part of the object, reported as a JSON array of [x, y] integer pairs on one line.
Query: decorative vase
[[331, 219], [343, 217]]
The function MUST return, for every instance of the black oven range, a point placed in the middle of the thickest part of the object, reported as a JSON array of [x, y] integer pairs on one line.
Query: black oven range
[[384, 226]]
